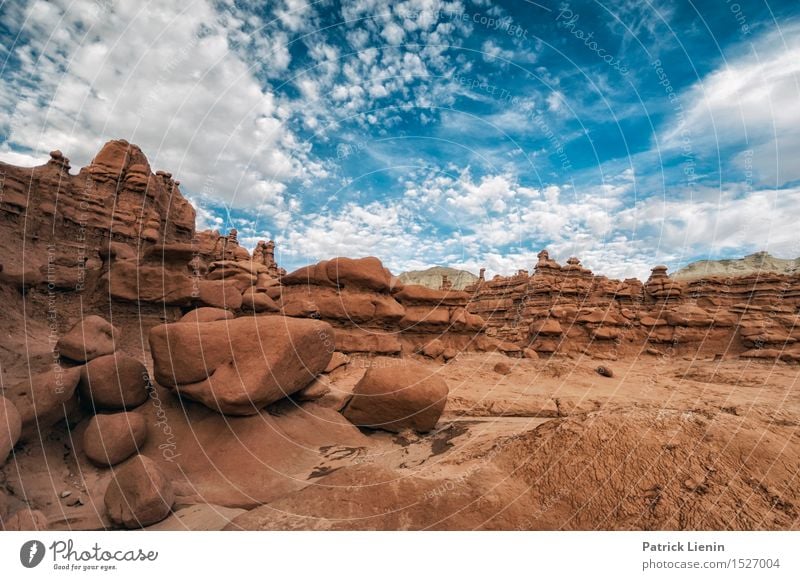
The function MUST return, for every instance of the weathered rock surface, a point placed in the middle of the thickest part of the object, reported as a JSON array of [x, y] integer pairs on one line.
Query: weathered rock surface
[[372, 312], [567, 309], [26, 520], [45, 399], [338, 359], [207, 314], [116, 191], [198, 517], [350, 499], [239, 366], [258, 301], [245, 461]]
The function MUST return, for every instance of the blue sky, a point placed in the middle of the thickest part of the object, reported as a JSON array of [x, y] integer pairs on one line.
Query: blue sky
[[466, 133]]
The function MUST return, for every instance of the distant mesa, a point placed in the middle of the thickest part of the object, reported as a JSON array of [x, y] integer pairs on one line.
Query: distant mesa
[[439, 278], [752, 264]]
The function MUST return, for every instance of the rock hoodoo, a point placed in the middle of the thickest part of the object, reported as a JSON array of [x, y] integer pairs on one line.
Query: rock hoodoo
[[372, 312]]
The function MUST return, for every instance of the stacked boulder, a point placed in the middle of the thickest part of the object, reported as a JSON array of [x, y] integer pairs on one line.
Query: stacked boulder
[[89, 377], [46, 398]]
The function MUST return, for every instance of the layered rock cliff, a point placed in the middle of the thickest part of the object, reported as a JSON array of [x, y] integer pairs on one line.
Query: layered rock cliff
[[567, 309]]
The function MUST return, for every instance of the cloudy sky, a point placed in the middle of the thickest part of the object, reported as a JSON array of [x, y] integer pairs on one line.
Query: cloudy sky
[[468, 133]]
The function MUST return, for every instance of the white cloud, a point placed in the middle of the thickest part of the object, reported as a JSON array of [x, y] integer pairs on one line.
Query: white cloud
[[493, 51], [751, 103], [161, 75]]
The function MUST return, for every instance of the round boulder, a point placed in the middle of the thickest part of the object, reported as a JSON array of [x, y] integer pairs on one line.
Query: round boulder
[[397, 397], [114, 382], [604, 372], [139, 494], [111, 439], [10, 428], [502, 368], [90, 338]]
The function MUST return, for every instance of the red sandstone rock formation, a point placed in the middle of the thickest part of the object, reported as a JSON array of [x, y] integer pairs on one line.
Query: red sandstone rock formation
[[63, 223], [568, 309]]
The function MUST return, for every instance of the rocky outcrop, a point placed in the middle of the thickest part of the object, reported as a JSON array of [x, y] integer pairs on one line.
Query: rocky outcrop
[[63, 223], [166, 275], [117, 233], [567, 309]]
